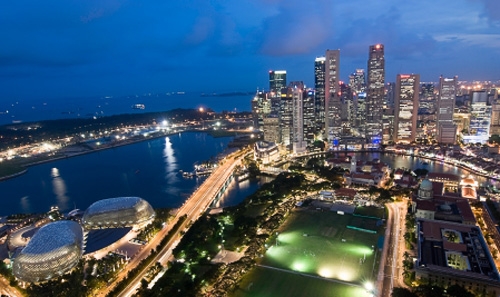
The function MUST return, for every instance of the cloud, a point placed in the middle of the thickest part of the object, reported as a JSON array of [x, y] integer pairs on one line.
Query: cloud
[[387, 28], [296, 28], [491, 9], [482, 40]]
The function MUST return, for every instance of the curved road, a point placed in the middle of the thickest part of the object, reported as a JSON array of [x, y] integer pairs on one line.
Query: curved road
[[196, 205]]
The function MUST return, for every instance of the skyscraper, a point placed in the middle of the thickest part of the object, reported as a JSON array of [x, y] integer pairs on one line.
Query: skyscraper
[[296, 92], [406, 108], [309, 116], [332, 98], [319, 92], [446, 131], [480, 118], [277, 81], [357, 81], [375, 94]]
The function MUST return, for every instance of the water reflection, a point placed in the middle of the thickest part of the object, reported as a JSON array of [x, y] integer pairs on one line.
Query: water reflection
[[25, 205], [171, 168], [59, 189]]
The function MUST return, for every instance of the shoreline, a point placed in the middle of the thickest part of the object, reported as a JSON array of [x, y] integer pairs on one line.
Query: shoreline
[[105, 147]]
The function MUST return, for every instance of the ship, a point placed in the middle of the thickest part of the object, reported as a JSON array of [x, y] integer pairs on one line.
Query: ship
[[138, 106]]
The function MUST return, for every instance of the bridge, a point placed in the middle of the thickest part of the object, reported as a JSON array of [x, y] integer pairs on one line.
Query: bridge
[[211, 190]]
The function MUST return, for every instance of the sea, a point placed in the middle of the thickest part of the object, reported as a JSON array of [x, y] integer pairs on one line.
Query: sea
[[29, 110]]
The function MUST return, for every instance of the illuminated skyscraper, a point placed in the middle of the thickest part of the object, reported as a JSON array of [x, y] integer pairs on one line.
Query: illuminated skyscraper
[[375, 94], [319, 86], [357, 81], [446, 131], [332, 98], [277, 81], [309, 117], [480, 119], [406, 108], [295, 94]]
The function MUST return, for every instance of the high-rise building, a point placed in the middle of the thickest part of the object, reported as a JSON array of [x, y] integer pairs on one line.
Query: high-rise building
[[357, 81], [277, 81], [446, 130], [286, 119], [309, 117], [495, 117], [480, 119], [332, 98], [406, 108], [319, 91], [347, 113], [261, 107], [296, 93], [375, 94], [272, 131]]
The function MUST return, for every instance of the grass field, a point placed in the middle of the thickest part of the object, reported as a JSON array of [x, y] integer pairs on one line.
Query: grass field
[[315, 248], [264, 282]]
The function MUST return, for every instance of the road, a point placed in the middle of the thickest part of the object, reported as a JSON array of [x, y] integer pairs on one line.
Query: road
[[196, 205], [6, 289], [390, 272]]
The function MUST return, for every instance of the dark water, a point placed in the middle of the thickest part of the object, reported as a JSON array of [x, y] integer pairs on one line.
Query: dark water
[[147, 169], [50, 109], [413, 163]]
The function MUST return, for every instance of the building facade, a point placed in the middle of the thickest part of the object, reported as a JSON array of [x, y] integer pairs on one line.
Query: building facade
[[406, 108], [319, 93], [375, 94], [332, 98], [446, 130]]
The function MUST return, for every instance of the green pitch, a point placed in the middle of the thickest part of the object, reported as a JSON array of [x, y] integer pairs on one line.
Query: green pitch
[[314, 254], [263, 282]]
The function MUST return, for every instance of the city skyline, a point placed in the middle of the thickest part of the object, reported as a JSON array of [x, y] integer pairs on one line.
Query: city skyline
[[118, 47]]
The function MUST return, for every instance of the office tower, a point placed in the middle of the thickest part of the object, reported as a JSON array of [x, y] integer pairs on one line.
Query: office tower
[[446, 130], [332, 100], [319, 93], [261, 107], [296, 94], [480, 119], [360, 114], [375, 95], [357, 81], [347, 112], [406, 108], [277, 81], [272, 131], [309, 117], [426, 121], [286, 119], [495, 117]]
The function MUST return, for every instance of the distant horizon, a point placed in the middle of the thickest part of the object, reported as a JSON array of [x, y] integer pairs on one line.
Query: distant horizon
[[120, 47]]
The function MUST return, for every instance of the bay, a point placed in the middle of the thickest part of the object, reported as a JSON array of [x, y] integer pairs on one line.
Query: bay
[[148, 169]]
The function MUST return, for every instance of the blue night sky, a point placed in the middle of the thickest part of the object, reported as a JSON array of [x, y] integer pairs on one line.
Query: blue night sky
[[72, 48]]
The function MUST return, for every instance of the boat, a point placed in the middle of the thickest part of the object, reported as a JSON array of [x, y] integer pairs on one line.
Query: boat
[[138, 106]]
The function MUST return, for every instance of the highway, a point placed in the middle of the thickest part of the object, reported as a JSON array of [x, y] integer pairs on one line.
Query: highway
[[391, 261], [196, 205]]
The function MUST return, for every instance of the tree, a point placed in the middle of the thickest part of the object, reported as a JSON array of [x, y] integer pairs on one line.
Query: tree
[[402, 292], [458, 291]]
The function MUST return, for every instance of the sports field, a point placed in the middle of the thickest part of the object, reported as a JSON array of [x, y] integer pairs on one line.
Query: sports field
[[264, 282], [316, 249]]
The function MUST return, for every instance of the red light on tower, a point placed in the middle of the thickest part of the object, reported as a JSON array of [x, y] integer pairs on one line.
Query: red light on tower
[[377, 46]]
